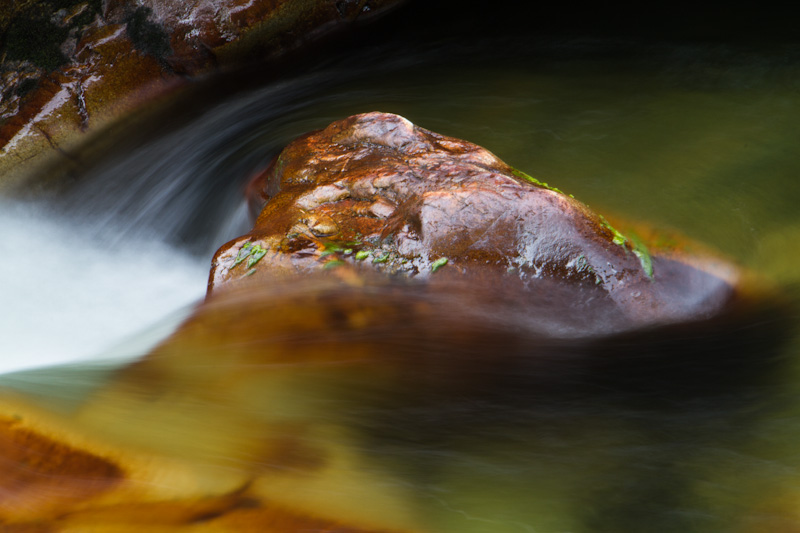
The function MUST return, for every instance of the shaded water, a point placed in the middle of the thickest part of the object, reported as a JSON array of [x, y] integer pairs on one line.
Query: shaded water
[[697, 137]]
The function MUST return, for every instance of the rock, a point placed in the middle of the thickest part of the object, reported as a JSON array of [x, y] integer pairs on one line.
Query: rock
[[72, 67], [374, 191]]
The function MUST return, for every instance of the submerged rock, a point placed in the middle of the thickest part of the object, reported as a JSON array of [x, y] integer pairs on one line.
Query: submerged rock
[[375, 192], [71, 67]]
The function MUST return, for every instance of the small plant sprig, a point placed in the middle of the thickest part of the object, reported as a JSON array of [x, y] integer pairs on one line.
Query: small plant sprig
[[252, 252]]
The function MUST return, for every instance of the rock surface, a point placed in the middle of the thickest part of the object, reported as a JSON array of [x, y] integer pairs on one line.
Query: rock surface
[[375, 192], [70, 67]]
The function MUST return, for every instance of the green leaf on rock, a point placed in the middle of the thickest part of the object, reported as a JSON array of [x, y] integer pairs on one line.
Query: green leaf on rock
[[638, 247], [333, 264], [244, 253], [439, 263], [531, 179], [381, 259], [256, 256], [252, 252], [641, 251], [617, 238]]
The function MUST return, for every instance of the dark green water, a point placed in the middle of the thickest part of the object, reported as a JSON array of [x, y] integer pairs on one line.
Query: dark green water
[[702, 138]]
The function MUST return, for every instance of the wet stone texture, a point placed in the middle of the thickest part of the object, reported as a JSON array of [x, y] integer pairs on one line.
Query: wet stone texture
[[69, 67], [374, 192]]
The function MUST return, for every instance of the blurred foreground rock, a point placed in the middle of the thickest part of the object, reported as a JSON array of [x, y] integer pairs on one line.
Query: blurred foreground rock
[[288, 407], [71, 67]]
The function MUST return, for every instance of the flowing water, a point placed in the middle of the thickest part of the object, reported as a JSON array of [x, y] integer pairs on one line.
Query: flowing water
[[702, 138]]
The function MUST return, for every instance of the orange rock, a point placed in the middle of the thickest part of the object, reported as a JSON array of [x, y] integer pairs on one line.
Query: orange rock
[[374, 191]]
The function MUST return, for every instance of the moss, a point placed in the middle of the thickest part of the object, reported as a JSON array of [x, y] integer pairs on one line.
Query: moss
[[362, 254]]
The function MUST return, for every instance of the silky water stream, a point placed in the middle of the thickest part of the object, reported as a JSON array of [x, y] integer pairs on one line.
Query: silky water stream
[[699, 138]]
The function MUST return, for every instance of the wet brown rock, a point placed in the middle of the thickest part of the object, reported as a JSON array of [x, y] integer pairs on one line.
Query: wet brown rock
[[374, 191], [68, 71]]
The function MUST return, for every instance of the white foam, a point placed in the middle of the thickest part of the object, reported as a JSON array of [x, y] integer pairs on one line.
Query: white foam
[[66, 296]]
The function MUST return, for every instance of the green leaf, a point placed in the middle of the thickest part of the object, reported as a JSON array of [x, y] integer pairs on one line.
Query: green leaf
[[256, 255], [617, 238], [641, 251], [531, 179], [244, 253], [439, 263], [381, 259], [333, 264]]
